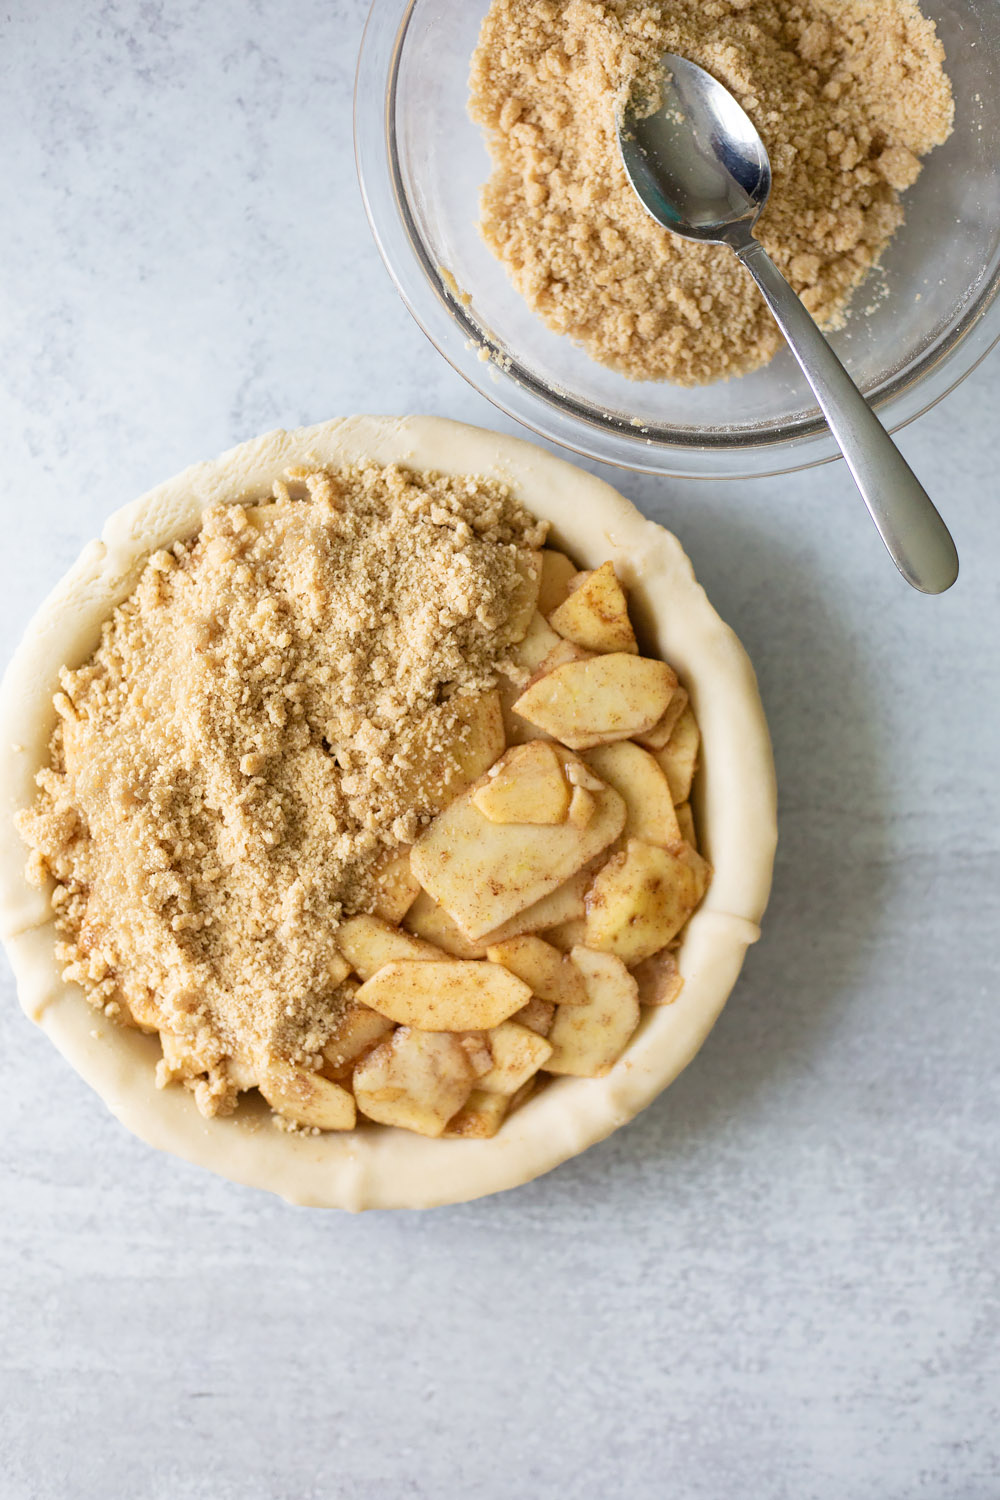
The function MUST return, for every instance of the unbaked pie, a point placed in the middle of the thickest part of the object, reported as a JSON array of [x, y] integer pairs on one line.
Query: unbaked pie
[[363, 798]]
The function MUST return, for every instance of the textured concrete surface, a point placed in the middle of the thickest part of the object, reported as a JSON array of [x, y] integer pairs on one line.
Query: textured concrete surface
[[780, 1282]]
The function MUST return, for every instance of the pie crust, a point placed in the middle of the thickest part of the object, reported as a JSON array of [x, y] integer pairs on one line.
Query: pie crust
[[734, 795]]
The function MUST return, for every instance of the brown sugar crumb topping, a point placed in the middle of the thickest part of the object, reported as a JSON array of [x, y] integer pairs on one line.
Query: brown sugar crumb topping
[[281, 703], [847, 94]]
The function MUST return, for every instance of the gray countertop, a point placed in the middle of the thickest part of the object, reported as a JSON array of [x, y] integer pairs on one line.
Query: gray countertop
[[781, 1280]]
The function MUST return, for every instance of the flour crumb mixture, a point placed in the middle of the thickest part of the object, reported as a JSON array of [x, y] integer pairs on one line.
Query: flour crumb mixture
[[848, 96], [279, 706]]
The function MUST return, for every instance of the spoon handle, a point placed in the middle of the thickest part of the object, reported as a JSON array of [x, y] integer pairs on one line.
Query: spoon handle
[[915, 536]]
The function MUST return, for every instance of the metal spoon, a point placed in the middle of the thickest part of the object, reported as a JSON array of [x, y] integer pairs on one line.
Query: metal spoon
[[701, 170]]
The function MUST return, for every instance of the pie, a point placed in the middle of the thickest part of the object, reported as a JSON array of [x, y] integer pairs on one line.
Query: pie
[[360, 805]]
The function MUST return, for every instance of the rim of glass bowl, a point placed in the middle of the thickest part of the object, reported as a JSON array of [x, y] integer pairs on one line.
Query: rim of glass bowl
[[554, 414]]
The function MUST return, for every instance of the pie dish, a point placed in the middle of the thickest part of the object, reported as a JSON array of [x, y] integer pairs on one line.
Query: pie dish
[[734, 800]]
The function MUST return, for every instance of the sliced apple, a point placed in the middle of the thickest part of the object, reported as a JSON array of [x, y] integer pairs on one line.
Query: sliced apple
[[659, 736], [358, 1029], [595, 615], [586, 703], [368, 944], [445, 995], [526, 658], [578, 774], [642, 898], [527, 786], [685, 822], [561, 905], [480, 1117], [582, 807], [566, 935], [549, 974], [587, 1040], [523, 601], [395, 886], [561, 655], [337, 971], [538, 1014], [636, 777], [679, 760], [476, 1046], [538, 642], [430, 921], [557, 570], [518, 1053], [446, 757], [417, 1080], [658, 978], [484, 873], [307, 1099]]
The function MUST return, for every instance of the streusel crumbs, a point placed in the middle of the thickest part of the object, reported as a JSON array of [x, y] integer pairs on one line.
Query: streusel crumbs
[[848, 96], [275, 708]]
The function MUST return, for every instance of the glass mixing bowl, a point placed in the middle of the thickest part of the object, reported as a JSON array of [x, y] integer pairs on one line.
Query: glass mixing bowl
[[421, 162]]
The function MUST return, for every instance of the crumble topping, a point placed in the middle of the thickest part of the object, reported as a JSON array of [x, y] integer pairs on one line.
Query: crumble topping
[[276, 707], [848, 96]]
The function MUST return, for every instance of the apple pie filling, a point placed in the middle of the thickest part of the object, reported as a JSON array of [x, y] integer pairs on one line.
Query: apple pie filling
[[368, 800]]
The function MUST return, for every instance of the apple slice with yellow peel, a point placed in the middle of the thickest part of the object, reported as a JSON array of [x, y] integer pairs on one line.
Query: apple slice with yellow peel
[[477, 1050], [582, 807], [518, 1053], [642, 898], [679, 760], [368, 944], [337, 970], [587, 1040], [480, 1117], [538, 642], [417, 1080], [428, 920], [452, 994], [444, 759], [538, 1014], [658, 978], [539, 652], [578, 774], [307, 1099], [527, 786], [586, 703], [561, 905], [636, 776], [658, 737], [557, 570], [358, 1029], [484, 873], [526, 658], [523, 601], [685, 822], [550, 975], [567, 935], [595, 615], [395, 886], [561, 655]]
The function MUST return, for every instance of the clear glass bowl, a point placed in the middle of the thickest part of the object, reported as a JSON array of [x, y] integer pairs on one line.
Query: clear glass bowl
[[421, 162]]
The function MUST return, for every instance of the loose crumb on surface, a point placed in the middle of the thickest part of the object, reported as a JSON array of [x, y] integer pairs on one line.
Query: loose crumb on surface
[[848, 96], [266, 716]]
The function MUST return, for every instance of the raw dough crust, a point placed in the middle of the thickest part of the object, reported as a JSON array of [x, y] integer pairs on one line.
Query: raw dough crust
[[375, 1167]]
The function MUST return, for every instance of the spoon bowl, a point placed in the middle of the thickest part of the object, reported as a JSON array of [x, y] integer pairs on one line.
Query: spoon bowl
[[701, 170], [699, 193]]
